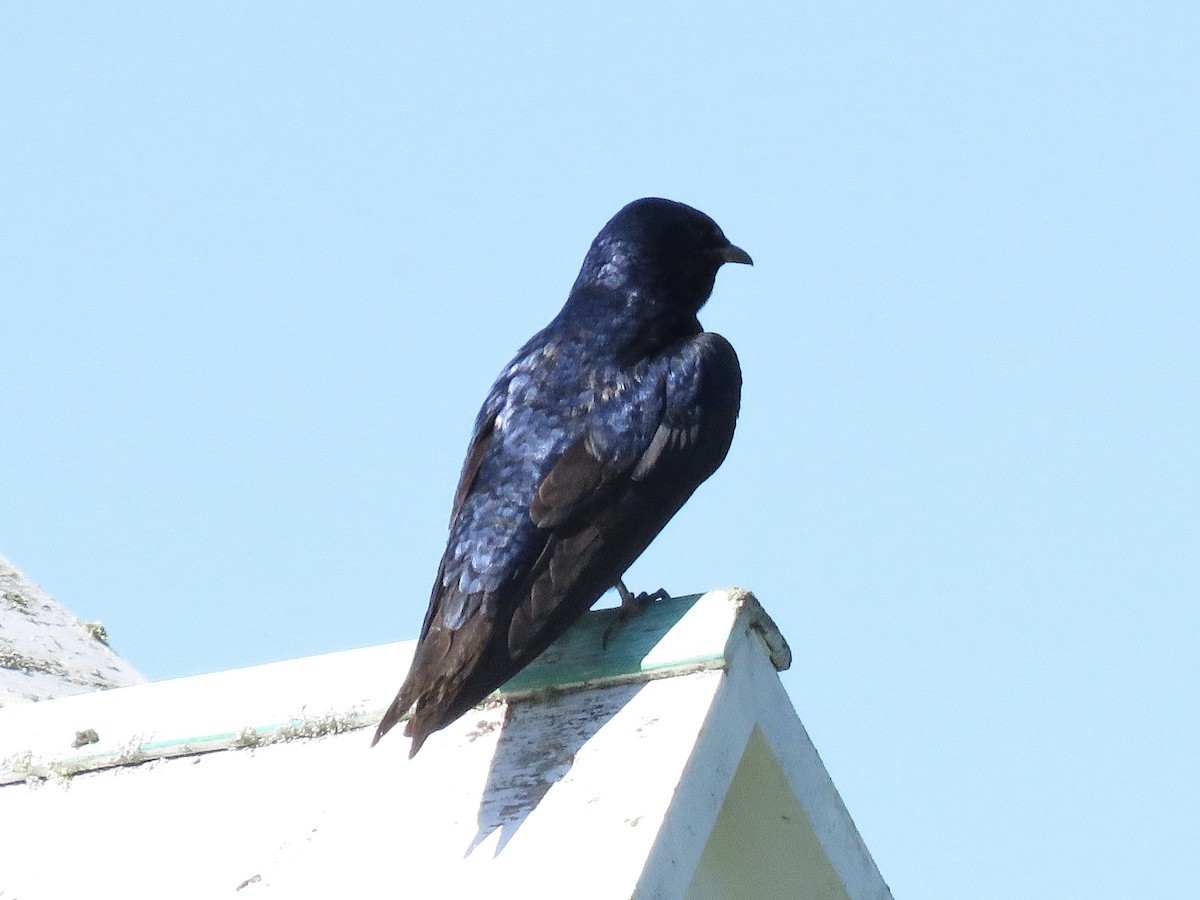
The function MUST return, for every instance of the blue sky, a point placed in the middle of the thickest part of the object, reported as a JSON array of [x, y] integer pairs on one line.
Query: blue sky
[[262, 264]]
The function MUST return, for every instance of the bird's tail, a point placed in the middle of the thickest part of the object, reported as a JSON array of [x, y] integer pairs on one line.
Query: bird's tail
[[394, 714], [389, 720], [418, 728]]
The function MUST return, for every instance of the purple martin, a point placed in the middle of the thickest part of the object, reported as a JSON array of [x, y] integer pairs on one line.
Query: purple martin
[[590, 440]]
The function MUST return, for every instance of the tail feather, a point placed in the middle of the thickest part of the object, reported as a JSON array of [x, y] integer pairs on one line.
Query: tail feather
[[444, 681], [394, 714]]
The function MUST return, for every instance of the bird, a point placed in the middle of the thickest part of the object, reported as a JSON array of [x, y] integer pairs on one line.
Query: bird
[[591, 439]]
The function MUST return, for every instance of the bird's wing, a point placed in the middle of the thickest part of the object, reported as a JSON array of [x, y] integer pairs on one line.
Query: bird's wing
[[614, 488], [481, 441], [521, 567]]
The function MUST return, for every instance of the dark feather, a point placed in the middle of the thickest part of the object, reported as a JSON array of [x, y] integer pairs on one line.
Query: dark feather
[[590, 440]]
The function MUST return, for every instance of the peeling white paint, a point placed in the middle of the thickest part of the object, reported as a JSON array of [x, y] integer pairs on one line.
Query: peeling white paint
[[616, 784]]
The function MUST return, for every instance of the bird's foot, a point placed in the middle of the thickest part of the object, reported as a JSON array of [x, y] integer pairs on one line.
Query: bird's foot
[[632, 606]]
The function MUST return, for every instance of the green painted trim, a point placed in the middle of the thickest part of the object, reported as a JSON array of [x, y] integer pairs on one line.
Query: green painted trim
[[655, 644], [579, 657]]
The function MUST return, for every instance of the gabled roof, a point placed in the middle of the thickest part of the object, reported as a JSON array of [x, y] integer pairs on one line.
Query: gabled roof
[[670, 765], [45, 651]]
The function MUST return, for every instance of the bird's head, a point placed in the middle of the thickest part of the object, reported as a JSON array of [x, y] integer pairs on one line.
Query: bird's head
[[661, 249]]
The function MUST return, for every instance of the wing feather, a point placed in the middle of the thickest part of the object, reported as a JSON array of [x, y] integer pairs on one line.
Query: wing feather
[[601, 513], [596, 506]]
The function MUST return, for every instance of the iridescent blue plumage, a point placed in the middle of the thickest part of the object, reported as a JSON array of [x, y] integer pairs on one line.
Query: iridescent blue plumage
[[595, 434]]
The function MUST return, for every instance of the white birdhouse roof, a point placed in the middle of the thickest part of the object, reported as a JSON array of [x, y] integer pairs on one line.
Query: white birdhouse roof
[[671, 765]]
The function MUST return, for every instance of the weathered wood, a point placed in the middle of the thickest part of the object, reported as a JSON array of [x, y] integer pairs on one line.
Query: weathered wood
[[607, 773]]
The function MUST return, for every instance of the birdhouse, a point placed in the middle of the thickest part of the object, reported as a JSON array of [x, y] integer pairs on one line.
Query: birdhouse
[[667, 764]]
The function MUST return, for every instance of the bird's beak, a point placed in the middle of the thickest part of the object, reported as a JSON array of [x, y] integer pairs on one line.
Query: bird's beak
[[734, 254]]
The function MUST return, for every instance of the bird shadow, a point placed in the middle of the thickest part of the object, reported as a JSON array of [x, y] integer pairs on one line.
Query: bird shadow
[[539, 740], [545, 725]]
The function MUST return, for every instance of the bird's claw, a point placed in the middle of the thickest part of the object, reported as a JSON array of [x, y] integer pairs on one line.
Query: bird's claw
[[632, 606]]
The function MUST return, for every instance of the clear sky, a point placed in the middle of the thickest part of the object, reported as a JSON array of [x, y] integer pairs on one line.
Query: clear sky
[[261, 263]]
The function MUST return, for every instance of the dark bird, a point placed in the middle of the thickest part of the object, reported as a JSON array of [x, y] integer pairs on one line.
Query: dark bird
[[594, 435]]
